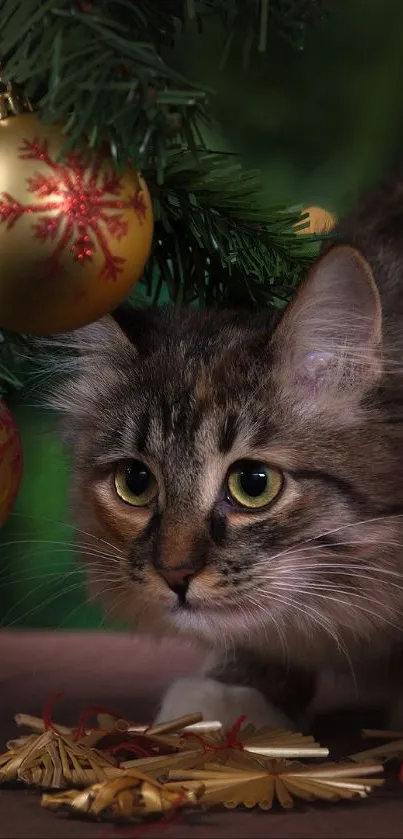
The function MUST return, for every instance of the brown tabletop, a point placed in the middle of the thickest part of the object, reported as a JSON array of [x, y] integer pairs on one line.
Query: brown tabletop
[[129, 675]]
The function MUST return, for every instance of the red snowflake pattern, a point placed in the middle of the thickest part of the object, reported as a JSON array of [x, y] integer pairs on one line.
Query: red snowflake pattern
[[88, 205]]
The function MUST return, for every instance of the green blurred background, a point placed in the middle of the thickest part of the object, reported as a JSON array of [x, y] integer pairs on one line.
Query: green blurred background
[[319, 123]]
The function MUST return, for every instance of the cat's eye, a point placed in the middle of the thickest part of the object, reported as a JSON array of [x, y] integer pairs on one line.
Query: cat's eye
[[135, 484], [253, 485]]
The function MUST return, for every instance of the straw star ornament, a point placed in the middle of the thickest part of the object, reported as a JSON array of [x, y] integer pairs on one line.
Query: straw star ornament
[[120, 771], [279, 780]]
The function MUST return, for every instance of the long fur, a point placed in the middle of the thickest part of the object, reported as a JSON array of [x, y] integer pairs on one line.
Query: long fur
[[317, 576]]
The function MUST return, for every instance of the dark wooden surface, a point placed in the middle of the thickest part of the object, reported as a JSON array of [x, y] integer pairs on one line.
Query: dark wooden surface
[[130, 675]]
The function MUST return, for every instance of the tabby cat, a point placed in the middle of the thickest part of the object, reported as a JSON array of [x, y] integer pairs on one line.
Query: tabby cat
[[240, 481]]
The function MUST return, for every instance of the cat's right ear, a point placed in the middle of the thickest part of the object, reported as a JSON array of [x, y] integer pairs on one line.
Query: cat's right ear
[[125, 330], [89, 363], [327, 345]]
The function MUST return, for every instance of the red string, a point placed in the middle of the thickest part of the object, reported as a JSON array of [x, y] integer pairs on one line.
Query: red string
[[128, 747], [85, 716], [230, 740], [83, 719], [47, 712]]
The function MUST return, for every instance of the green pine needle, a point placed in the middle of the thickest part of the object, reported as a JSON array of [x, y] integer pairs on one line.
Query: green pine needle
[[96, 66], [218, 241], [104, 68]]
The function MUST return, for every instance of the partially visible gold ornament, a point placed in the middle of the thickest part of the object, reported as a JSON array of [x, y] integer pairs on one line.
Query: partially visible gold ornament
[[74, 234], [319, 221]]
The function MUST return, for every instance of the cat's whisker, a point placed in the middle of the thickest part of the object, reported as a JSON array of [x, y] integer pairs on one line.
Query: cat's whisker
[[68, 526], [55, 575], [283, 599], [374, 575], [40, 546], [318, 618], [304, 545], [305, 548], [342, 561], [78, 585], [57, 561], [309, 615], [74, 610], [319, 589], [373, 520], [348, 603], [276, 621], [38, 607], [342, 566], [312, 575]]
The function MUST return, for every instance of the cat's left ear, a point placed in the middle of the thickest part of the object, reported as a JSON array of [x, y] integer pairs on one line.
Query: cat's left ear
[[126, 330], [328, 341]]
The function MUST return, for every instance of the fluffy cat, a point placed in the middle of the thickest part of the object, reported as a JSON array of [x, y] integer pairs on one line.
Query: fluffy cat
[[240, 481]]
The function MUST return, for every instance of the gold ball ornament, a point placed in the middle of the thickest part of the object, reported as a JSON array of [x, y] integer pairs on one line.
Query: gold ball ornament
[[10, 462], [74, 235], [319, 221]]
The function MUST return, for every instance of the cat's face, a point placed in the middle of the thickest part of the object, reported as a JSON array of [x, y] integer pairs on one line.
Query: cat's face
[[232, 484]]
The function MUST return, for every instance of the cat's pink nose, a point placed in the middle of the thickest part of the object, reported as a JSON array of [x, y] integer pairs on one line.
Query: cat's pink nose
[[177, 579]]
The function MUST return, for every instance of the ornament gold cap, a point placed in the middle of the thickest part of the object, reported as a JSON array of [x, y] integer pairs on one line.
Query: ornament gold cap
[[12, 100]]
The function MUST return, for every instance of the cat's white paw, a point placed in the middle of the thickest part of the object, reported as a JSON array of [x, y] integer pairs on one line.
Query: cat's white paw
[[217, 701]]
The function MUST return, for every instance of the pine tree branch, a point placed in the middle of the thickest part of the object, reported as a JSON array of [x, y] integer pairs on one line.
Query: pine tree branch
[[97, 67], [102, 67], [217, 239]]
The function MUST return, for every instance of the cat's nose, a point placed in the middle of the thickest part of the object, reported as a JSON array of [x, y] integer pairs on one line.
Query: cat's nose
[[177, 579]]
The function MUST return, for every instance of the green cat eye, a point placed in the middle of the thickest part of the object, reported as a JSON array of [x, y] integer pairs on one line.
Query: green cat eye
[[253, 485], [135, 484]]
